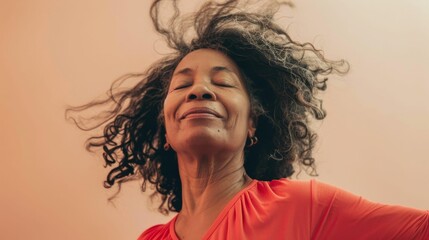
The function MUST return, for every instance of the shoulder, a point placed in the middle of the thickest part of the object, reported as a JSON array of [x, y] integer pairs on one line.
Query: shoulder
[[282, 194], [285, 187], [317, 193], [283, 204], [160, 231], [299, 192]]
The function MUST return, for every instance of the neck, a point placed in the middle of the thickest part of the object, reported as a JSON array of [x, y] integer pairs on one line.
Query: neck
[[208, 182]]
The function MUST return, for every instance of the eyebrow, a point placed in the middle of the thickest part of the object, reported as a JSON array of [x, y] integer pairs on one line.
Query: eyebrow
[[215, 69]]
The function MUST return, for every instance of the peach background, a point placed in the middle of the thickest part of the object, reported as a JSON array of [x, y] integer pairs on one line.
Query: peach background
[[374, 141]]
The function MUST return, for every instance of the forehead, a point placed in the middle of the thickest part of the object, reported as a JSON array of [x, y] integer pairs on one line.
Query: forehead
[[205, 59]]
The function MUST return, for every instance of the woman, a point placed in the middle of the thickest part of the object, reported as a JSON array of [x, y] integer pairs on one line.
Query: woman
[[218, 125]]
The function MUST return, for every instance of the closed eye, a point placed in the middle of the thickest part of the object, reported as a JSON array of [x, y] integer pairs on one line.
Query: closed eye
[[223, 85], [224, 82], [182, 86]]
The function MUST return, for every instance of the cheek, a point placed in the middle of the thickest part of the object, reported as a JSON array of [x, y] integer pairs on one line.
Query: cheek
[[170, 103], [238, 111], [168, 111]]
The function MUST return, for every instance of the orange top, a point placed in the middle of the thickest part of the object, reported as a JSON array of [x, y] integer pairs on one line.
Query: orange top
[[289, 209]]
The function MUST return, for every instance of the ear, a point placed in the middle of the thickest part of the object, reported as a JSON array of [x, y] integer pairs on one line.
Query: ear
[[251, 127]]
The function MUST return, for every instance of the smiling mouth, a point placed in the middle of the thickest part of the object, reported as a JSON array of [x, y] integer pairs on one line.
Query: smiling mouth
[[200, 113]]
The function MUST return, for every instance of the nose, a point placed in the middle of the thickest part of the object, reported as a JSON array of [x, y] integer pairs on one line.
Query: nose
[[200, 92]]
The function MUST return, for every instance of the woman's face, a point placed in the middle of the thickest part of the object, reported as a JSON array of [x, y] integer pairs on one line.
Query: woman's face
[[207, 106]]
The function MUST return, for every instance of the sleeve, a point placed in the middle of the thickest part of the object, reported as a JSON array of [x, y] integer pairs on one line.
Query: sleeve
[[337, 214]]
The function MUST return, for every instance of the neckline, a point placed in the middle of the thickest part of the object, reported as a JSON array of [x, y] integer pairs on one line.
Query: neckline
[[219, 218]]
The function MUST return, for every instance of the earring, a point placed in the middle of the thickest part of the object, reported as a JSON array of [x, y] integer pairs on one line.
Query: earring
[[166, 146], [253, 141]]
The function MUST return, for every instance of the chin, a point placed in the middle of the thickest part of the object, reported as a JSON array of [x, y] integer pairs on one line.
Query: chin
[[203, 137]]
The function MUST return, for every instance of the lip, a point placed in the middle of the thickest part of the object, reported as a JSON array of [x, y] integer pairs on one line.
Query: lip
[[200, 110]]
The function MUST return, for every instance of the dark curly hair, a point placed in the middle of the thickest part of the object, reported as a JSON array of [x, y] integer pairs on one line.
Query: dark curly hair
[[282, 77]]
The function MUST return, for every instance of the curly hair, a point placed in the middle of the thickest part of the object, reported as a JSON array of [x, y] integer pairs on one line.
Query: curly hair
[[282, 77]]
